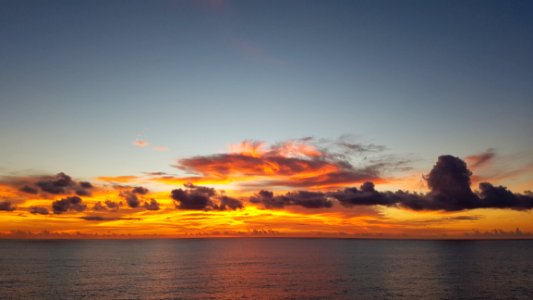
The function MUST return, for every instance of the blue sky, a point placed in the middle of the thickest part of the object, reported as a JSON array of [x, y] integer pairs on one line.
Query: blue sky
[[80, 81]]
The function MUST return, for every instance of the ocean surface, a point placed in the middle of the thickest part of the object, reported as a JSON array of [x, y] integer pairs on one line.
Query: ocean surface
[[265, 269]]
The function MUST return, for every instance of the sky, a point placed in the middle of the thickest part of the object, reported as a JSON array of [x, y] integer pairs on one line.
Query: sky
[[229, 118]]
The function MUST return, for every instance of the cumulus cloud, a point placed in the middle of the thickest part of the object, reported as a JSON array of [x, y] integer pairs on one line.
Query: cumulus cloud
[[59, 184], [56, 185], [68, 204], [98, 206], [132, 195], [449, 184], [203, 198], [112, 205], [152, 205]]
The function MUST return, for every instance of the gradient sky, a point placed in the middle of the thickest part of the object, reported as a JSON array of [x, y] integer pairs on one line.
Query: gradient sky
[[84, 84]]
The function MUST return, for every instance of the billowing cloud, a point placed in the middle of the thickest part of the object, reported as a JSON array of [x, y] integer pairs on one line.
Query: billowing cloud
[[131, 195], [151, 205], [112, 205], [98, 206], [68, 204], [449, 184], [365, 195], [59, 184], [203, 198]]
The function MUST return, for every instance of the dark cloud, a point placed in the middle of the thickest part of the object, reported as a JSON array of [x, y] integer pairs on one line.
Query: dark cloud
[[105, 218], [59, 184], [6, 206], [86, 185], [140, 190], [191, 199], [99, 207], [366, 195], [131, 198], [301, 198], [203, 198], [56, 185], [98, 218], [501, 197], [69, 203], [39, 210], [112, 205], [132, 195], [228, 203], [152, 205], [268, 199], [82, 192], [449, 184], [28, 189]]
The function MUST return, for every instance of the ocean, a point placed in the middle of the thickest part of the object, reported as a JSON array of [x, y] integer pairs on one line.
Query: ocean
[[266, 268]]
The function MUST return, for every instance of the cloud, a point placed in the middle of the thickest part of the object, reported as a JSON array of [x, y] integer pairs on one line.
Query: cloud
[[366, 195], [105, 218], [305, 199], [112, 205], [152, 205], [131, 198], [160, 148], [449, 184], [141, 143], [28, 189], [59, 184], [478, 160], [140, 190], [99, 207], [203, 198], [39, 210], [67, 204], [302, 163], [6, 206]]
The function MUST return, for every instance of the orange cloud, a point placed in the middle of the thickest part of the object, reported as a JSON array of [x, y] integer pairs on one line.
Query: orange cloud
[[479, 160], [290, 164], [160, 148], [140, 143], [286, 189]]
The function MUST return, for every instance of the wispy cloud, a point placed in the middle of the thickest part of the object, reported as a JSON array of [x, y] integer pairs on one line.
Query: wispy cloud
[[142, 143]]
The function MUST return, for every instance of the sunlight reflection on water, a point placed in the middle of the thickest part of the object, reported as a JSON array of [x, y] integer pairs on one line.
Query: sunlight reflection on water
[[266, 269]]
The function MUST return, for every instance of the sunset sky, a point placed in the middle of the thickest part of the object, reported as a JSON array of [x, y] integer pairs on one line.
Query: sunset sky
[[266, 118]]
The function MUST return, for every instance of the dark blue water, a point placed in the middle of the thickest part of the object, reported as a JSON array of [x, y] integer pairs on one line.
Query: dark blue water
[[266, 269]]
